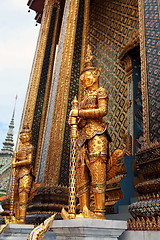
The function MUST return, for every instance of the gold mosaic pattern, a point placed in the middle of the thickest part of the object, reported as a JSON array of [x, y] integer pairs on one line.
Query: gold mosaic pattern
[[47, 92], [112, 25]]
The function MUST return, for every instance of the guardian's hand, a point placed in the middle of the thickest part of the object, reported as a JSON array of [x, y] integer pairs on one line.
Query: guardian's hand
[[73, 113], [73, 117]]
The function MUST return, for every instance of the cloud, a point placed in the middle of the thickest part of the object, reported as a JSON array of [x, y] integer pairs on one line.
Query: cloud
[[19, 4], [13, 5]]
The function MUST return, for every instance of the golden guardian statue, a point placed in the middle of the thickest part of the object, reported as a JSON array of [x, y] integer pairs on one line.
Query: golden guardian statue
[[21, 177], [92, 143]]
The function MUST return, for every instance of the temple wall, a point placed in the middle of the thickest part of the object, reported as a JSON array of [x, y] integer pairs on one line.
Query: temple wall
[[112, 25]]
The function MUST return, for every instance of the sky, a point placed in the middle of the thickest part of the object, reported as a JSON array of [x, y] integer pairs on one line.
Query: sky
[[18, 39]]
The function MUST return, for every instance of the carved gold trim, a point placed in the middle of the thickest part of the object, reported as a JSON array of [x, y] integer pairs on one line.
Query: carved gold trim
[[85, 32], [127, 65], [148, 146], [130, 45], [44, 212], [143, 73]]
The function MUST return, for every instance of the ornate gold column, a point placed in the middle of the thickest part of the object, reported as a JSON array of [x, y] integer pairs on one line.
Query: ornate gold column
[[60, 91], [38, 62]]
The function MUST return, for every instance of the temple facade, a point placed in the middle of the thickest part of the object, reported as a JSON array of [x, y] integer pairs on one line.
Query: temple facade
[[124, 39]]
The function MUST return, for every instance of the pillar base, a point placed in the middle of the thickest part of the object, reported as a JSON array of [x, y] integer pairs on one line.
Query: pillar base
[[88, 229]]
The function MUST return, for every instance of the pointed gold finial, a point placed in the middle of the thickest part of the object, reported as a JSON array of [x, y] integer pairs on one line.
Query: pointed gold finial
[[87, 62], [89, 55]]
